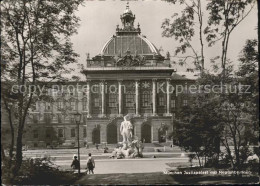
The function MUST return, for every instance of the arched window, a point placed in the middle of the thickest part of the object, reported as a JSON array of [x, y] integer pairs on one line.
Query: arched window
[[60, 104], [112, 98], [146, 99], [162, 100], [129, 99], [72, 132], [73, 105], [60, 133], [47, 106], [84, 104]]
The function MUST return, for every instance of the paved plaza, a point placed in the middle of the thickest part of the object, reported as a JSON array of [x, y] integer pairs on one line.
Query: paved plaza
[[107, 165], [129, 165]]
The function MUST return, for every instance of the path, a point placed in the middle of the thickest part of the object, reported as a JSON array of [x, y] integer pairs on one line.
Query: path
[[128, 165]]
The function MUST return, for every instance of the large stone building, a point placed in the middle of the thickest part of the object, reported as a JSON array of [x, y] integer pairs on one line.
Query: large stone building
[[130, 76]]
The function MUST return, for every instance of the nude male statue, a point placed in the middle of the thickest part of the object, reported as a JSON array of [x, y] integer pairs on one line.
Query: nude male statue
[[126, 131]]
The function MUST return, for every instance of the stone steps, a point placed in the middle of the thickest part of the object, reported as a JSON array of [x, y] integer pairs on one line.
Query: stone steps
[[95, 151], [83, 156]]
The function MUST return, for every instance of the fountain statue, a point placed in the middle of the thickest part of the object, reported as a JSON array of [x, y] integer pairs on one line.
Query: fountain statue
[[126, 131], [132, 147]]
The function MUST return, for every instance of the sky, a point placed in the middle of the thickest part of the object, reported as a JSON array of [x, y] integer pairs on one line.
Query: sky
[[100, 17]]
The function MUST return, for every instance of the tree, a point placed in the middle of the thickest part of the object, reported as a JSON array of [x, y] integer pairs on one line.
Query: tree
[[198, 132], [224, 17], [229, 112], [241, 109], [182, 28], [36, 47]]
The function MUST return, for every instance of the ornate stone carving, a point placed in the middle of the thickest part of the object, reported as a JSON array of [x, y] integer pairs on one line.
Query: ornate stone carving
[[129, 60]]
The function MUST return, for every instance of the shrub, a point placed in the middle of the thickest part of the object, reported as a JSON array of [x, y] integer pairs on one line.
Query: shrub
[[40, 171]]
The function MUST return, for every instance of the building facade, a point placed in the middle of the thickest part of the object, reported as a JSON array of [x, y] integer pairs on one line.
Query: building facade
[[129, 76]]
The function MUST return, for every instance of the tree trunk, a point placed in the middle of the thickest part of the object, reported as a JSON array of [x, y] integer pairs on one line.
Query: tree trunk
[[201, 38], [2, 153], [12, 132], [19, 153], [258, 8], [237, 158], [198, 158]]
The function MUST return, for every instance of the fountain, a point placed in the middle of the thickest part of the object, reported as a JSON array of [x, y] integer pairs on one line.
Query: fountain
[[131, 146]]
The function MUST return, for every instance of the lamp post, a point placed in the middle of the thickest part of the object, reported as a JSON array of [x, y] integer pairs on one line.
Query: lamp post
[[77, 118]]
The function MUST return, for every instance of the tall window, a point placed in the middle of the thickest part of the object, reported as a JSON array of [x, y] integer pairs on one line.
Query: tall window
[[112, 100], [84, 104], [35, 134], [161, 100], [47, 117], [72, 133], [173, 102], [84, 132], [71, 92], [96, 102], [60, 104], [60, 133], [59, 118], [48, 133], [48, 106], [73, 104], [185, 102], [129, 99], [146, 99]]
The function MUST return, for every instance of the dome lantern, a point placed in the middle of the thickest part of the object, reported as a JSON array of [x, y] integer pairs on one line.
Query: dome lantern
[[127, 18]]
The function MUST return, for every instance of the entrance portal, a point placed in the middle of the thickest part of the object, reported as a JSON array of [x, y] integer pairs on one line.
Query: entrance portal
[[162, 136], [96, 135], [146, 133], [111, 133]]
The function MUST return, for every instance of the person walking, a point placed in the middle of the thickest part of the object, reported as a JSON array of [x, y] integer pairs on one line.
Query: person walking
[[90, 164]]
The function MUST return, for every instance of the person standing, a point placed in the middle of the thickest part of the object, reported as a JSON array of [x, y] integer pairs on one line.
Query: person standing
[[90, 164], [75, 163]]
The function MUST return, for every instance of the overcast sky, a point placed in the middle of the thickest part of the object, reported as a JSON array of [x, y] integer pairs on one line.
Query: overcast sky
[[99, 20]]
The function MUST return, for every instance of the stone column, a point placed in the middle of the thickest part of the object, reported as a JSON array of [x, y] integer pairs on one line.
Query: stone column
[[103, 133], [103, 99], [118, 133], [88, 99], [154, 130], [137, 98], [89, 134], [168, 112], [120, 97], [154, 97]]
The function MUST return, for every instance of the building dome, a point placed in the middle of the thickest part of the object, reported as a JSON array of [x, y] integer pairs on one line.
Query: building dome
[[135, 44]]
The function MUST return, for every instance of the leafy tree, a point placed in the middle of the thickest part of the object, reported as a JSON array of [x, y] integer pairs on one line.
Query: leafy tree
[[224, 17], [199, 132], [230, 112], [240, 109], [36, 47], [183, 29]]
